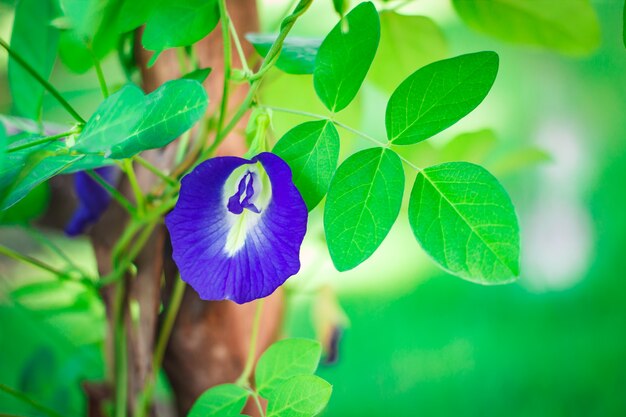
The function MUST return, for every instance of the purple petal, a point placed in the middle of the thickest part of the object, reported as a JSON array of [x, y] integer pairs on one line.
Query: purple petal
[[205, 219], [93, 199]]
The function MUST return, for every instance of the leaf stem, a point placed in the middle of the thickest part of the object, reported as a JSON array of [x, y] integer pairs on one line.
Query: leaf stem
[[18, 58], [240, 53], [10, 253], [42, 140], [127, 166], [225, 19], [156, 171], [159, 351], [25, 399], [117, 196], [247, 370], [99, 74]]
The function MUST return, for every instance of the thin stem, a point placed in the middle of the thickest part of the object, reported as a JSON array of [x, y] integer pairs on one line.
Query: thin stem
[[247, 370], [100, 74], [242, 55], [25, 399], [18, 58], [159, 351], [225, 19], [259, 406], [10, 253], [182, 61], [42, 140], [127, 165], [156, 171], [117, 196]]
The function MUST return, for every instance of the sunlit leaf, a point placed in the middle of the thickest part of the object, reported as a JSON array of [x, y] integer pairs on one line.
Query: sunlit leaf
[[179, 23], [363, 202], [311, 149], [570, 27], [284, 360], [300, 396], [464, 219], [297, 55], [406, 44], [221, 400], [438, 95], [345, 56], [35, 39]]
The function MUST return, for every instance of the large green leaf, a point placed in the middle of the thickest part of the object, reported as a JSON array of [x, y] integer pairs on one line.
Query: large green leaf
[[297, 55], [465, 221], [624, 25], [35, 39], [179, 23], [438, 95], [363, 202], [300, 396], [284, 360], [345, 56], [406, 43], [171, 110], [311, 149], [570, 27], [113, 121], [221, 400]]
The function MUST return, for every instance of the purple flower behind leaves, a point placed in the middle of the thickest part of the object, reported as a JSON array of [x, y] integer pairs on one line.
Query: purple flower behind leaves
[[237, 227], [93, 199]]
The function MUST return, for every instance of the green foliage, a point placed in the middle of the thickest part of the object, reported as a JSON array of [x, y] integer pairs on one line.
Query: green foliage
[[221, 400], [29, 208], [300, 396], [439, 95], [311, 149], [283, 361], [570, 27], [36, 39], [199, 75], [463, 218], [179, 23], [624, 25], [128, 122], [297, 55], [406, 43], [363, 203], [345, 56]]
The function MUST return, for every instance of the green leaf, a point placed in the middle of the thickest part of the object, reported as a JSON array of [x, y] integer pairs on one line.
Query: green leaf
[[570, 27], [362, 204], [624, 25], [113, 121], [284, 360], [406, 43], [199, 75], [134, 13], [345, 56], [35, 39], [171, 110], [297, 55], [221, 400], [179, 23], [300, 396], [4, 143], [438, 95], [464, 219], [473, 147], [29, 208], [311, 149]]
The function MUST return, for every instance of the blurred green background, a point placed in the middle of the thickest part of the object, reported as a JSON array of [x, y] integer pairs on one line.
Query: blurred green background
[[415, 340]]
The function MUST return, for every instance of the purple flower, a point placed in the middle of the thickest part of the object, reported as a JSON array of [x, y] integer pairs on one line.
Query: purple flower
[[237, 227], [93, 199]]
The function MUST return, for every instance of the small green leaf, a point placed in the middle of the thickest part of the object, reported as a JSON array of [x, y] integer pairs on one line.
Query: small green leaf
[[345, 56], [179, 23], [221, 400], [406, 43], [464, 219], [438, 95], [311, 149], [113, 121], [171, 110], [300, 396], [570, 27], [35, 39], [284, 360], [199, 75], [363, 202], [297, 55]]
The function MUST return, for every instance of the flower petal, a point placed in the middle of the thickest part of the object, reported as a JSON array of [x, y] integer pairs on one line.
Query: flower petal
[[245, 256]]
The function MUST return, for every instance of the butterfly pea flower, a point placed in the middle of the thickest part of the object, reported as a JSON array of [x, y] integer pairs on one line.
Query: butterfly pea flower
[[93, 199], [237, 227]]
